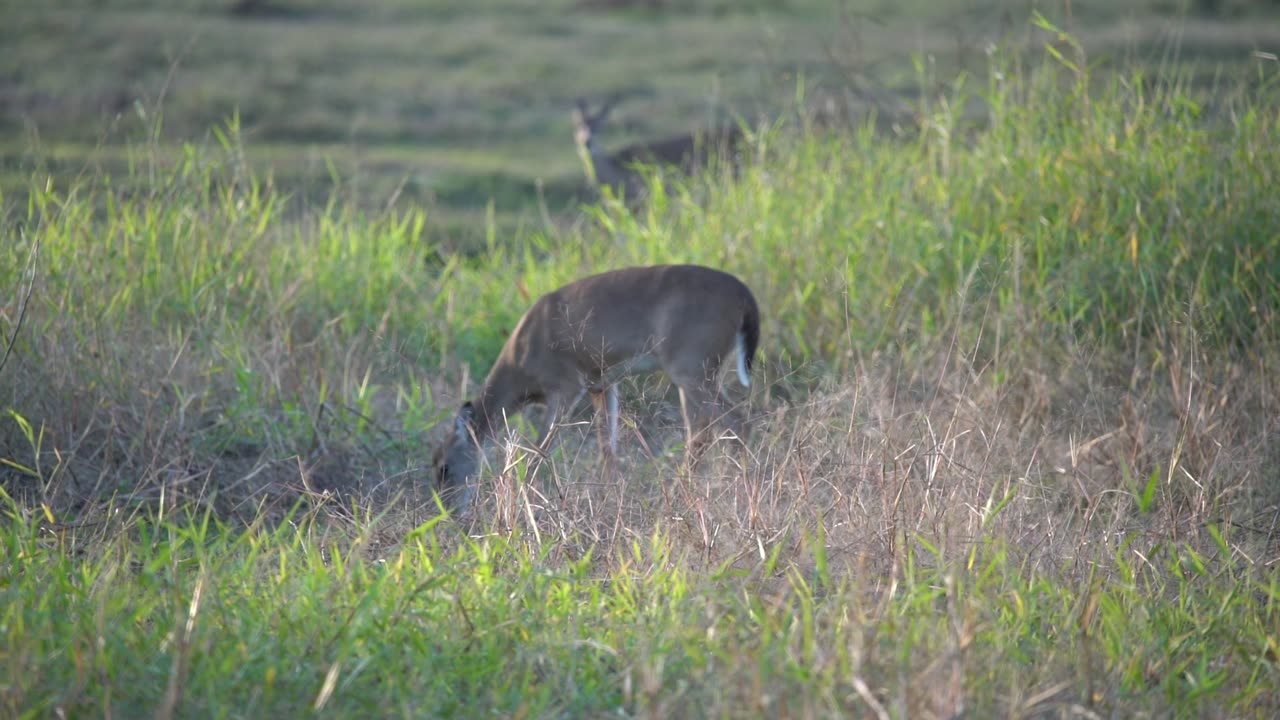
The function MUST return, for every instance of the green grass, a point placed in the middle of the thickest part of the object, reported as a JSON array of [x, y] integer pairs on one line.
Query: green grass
[[1014, 445], [148, 615]]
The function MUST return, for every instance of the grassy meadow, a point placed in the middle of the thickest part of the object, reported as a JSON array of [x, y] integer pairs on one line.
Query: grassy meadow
[[1016, 420]]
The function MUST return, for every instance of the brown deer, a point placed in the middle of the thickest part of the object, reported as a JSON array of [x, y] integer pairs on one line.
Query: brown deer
[[689, 153], [684, 320]]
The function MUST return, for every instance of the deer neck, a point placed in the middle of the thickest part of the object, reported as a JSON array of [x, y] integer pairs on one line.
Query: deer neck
[[601, 168], [501, 397]]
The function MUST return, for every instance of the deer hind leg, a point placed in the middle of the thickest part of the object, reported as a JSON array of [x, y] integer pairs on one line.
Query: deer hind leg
[[733, 417], [700, 405], [708, 414]]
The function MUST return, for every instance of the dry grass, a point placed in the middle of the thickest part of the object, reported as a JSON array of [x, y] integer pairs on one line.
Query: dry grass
[[1054, 467]]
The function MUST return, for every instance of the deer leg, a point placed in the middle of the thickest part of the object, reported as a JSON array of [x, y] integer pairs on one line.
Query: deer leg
[[734, 417], [606, 403], [556, 404], [699, 405], [598, 401], [611, 401]]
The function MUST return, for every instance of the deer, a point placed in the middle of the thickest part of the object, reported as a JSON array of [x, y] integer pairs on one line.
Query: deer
[[689, 152], [681, 320]]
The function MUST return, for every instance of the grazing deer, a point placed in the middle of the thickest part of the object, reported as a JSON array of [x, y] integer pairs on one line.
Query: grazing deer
[[681, 319], [689, 152]]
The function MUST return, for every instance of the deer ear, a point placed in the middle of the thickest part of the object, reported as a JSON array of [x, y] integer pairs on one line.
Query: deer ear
[[465, 421]]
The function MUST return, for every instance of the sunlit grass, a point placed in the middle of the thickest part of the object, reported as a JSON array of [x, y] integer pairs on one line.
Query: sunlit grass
[[141, 614]]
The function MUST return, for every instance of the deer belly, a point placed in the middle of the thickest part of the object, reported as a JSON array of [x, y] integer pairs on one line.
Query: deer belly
[[632, 365]]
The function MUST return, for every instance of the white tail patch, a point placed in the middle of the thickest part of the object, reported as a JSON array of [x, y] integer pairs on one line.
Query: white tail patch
[[740, 345]]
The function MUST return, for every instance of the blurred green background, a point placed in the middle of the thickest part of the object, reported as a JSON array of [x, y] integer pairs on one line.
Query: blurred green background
[[463, 106]]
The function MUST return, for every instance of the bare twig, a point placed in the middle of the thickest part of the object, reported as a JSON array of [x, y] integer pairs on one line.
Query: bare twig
[[26, 301]]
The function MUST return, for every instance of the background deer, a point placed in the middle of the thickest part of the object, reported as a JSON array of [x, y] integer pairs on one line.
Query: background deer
[[681, 319], [689, 152]]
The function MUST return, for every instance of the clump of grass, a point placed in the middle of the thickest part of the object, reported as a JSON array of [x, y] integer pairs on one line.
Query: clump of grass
[[196, 321]]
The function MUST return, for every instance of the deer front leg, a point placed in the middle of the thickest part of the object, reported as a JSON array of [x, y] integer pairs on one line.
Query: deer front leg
[[606, 404], [557, 403]]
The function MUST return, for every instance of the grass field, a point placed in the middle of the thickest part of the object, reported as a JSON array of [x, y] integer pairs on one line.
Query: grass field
[[1016, 419], [463, 107]]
